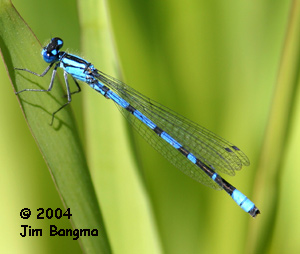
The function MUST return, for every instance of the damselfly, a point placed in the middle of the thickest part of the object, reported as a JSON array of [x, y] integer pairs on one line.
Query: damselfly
[[196, 151]]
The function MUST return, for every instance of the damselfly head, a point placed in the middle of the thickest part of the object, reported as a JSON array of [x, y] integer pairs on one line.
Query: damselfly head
[[50, 53]]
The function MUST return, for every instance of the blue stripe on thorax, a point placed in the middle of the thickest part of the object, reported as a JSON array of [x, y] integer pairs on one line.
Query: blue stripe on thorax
[[77, 67]]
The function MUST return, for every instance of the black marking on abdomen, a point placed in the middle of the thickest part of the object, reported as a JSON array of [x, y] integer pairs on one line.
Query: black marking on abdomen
[[183, 151], [158, 130], [205, 168], [225, 185], [130, 109]]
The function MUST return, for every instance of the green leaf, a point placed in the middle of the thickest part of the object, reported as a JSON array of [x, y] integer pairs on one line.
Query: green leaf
[[59, 144], [118, 184], [277, 141]]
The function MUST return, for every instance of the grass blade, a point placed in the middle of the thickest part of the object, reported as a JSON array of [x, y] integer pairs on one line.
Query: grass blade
[[59, 145]]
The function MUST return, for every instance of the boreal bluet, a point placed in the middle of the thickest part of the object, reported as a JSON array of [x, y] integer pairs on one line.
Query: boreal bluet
[[196, 151]]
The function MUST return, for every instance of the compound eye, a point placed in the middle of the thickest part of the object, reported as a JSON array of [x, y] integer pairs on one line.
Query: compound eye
[[57, 43], [48, 56]]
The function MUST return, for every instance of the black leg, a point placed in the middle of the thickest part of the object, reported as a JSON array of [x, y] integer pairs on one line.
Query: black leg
[[36, 74], [79, 89], [68, 96], [41, 75]]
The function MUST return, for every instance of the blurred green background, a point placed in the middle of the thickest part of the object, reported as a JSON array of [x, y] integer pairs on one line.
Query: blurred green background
[[216, 63]]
